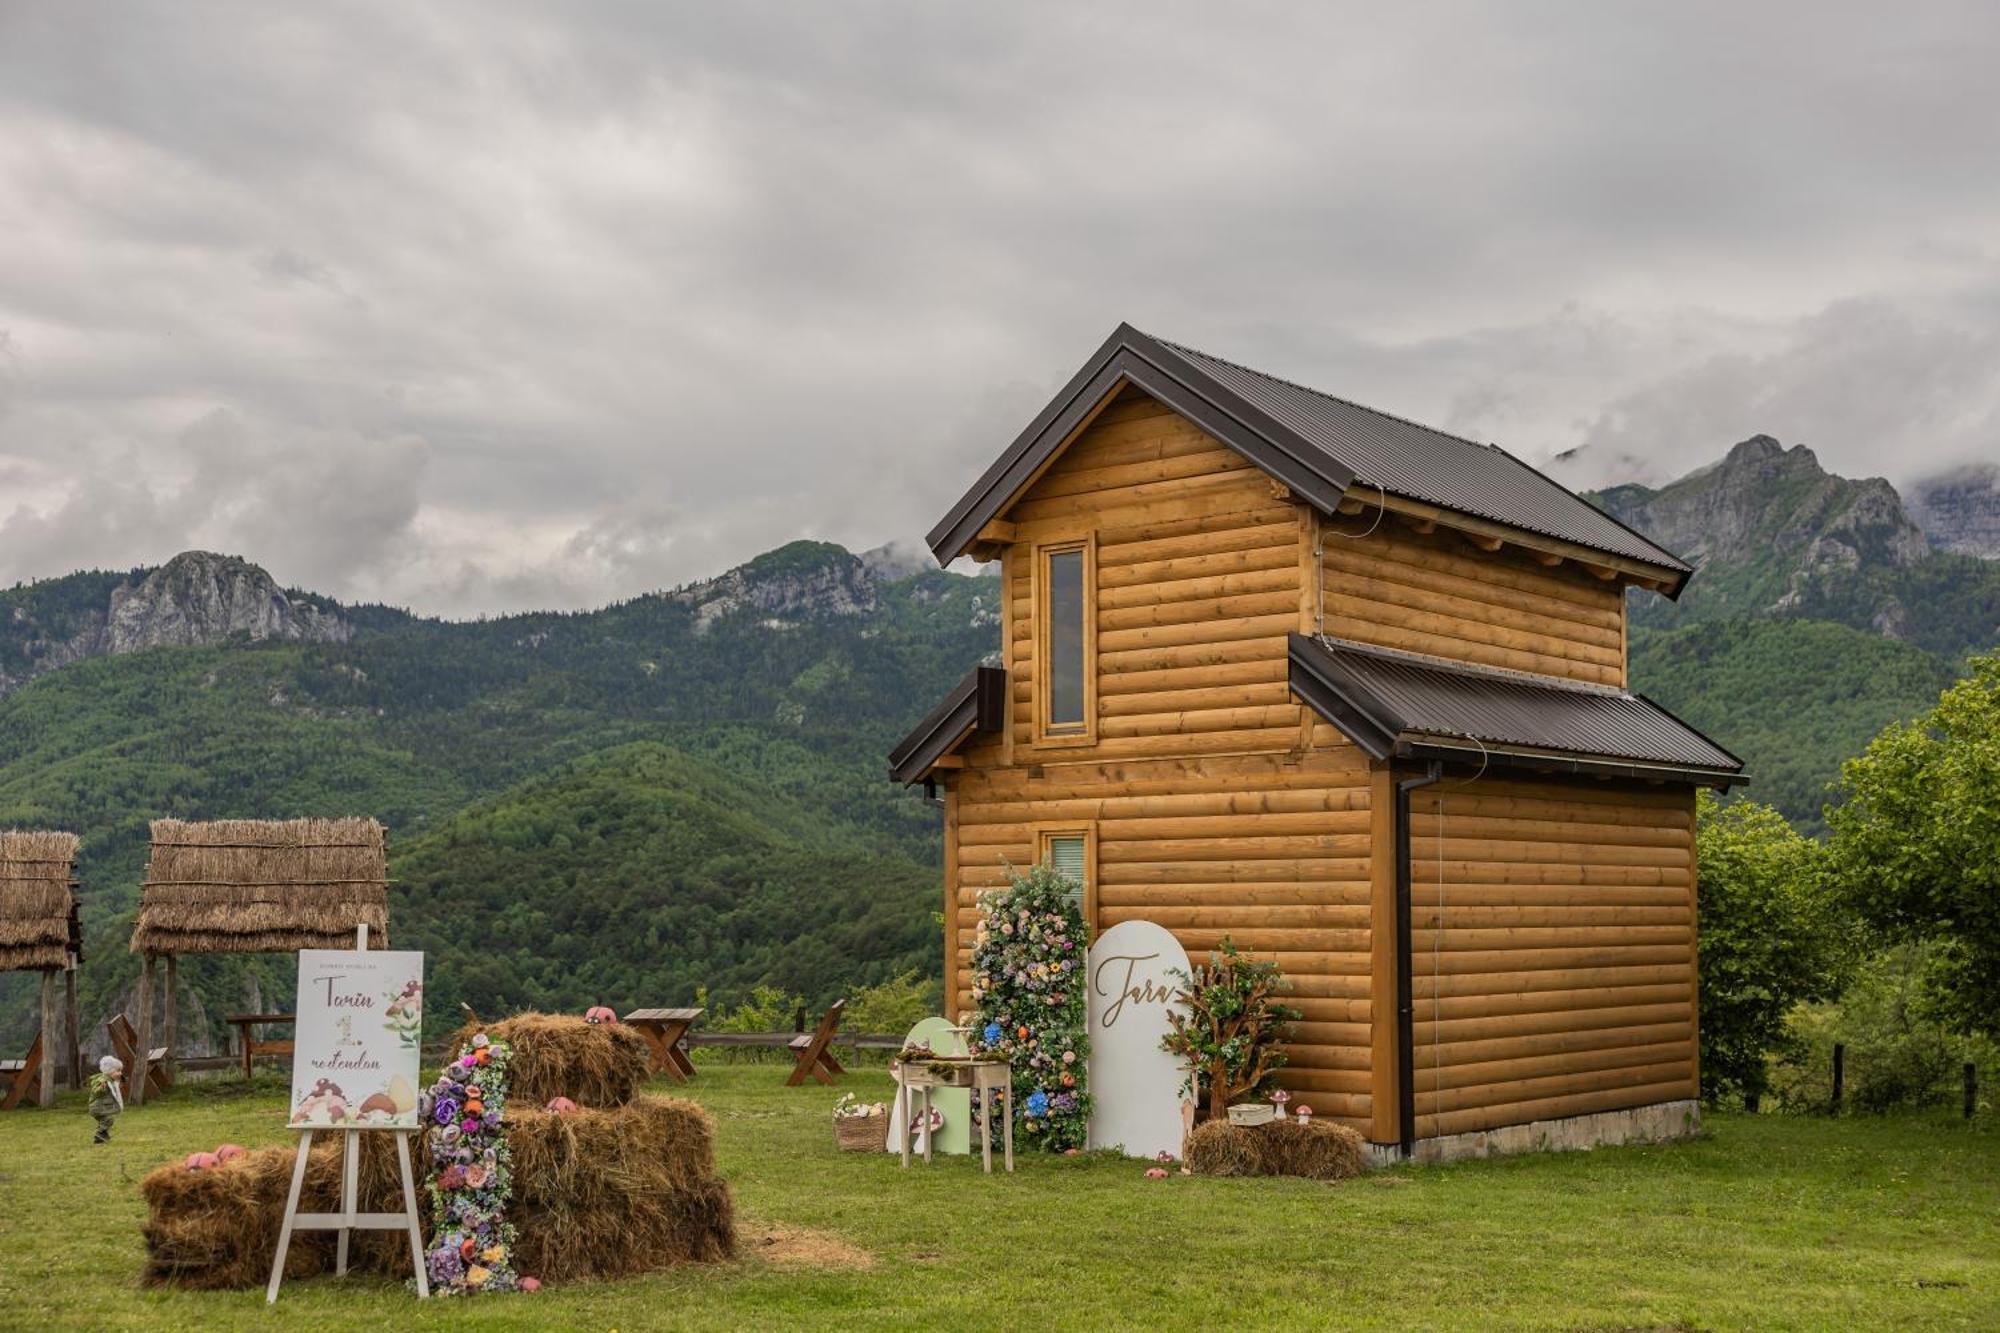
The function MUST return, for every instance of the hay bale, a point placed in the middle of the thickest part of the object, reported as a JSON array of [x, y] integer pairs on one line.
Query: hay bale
[[597, 1193], [1218, 1148], [1315, 1150], [218, 1229], [559, 1056], [603, 1193]]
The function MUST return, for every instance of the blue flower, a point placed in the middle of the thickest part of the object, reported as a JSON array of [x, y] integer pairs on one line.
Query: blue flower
[[992, 1033], [1038, 1103]]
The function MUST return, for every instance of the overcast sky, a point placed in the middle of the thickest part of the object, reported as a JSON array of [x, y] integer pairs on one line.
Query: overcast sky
[[481, 307]]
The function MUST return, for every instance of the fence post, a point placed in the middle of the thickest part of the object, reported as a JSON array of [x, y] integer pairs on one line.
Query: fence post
[[1971, 1088], [799, 1020], [1839, 1073]]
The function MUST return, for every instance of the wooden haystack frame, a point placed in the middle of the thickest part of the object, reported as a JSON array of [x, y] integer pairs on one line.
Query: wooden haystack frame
[[39, 933], [253, 886]]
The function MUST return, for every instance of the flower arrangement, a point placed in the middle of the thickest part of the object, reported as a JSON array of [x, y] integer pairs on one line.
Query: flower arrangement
[[472, 1177], [1027, 984], [850, 1107]]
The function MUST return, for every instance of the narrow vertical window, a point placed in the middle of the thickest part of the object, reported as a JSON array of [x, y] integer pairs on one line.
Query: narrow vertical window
[[1068, 853], [1065, 639], [1063, 643]]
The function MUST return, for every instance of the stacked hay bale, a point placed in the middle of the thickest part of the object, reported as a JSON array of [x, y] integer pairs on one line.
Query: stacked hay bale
[[623, 1185], [218, 1228], [1288, 1147]]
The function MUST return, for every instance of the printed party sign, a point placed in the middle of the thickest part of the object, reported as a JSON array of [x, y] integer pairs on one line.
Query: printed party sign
[[356, 1059], [1135, 1087]]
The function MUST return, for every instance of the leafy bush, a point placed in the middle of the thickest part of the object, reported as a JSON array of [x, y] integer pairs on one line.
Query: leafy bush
[[1231, 1032], [1027, 987], [769, 1009], [1914, 842], [894, 1007], [1771, 937], [1900, 1052]]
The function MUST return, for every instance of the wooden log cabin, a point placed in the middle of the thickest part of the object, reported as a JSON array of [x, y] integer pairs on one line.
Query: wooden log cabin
[[1350, 691]]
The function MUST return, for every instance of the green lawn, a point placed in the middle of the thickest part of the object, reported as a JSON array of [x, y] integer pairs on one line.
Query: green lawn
[[1764, 1223]]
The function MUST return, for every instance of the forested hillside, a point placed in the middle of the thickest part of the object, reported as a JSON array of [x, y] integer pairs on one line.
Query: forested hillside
[[768, 696]]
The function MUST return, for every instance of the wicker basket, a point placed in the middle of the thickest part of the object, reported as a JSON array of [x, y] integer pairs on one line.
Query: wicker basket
[[861, 1133]]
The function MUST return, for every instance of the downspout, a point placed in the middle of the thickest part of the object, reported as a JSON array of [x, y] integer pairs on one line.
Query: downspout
[[1406, 1006]]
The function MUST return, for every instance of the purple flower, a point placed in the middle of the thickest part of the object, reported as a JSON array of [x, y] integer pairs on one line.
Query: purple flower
[[445, 1111]]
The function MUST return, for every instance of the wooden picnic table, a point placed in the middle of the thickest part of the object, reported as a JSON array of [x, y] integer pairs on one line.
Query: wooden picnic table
[[663, 1030], [247, 1040]]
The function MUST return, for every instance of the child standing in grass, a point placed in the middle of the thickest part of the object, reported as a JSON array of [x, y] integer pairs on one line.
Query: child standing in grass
[[107, 1095]]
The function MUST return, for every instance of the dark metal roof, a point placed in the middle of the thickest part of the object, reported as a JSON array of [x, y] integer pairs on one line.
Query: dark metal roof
[[1422, 463], [1315, 443], [976, 703], [1397, 704]]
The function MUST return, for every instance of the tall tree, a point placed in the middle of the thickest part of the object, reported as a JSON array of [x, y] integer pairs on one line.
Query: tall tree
[[1916, 841], [1772, 937]]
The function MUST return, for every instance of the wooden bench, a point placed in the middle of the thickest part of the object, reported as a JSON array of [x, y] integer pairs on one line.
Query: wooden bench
[[246, 1026], [125, 1045], [815, 1052], [22, 1075], [663, 1030]]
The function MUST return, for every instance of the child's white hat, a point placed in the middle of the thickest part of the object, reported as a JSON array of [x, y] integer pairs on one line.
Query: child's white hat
[[110, 1064]]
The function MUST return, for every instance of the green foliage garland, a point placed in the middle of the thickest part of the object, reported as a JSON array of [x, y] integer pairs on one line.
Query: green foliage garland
[[1027, 985]]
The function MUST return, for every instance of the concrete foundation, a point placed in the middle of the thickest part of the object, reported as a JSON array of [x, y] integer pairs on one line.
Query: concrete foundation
[[1662, 1122]]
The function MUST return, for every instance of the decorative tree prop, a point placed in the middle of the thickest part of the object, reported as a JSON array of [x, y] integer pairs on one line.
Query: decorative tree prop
[[472, 1173], [1027, 985], [1230, 1033]]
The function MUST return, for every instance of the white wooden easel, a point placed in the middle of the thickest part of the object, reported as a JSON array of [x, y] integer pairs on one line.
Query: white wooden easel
[[347, 1220]]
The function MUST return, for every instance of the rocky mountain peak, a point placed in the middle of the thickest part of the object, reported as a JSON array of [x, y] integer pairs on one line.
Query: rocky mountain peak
[[797, 581], [1959, 510], [199, 597], [1763, 449]]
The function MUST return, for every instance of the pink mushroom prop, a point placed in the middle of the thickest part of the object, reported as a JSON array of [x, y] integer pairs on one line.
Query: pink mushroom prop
[[199, 1161], [229, 1152], [598, 1013], [560, 1106]]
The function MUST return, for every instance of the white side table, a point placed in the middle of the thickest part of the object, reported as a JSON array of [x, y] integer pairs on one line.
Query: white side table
[[991, 1083]]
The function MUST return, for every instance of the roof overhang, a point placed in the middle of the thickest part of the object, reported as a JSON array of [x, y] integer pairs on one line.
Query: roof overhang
[[975, 705], [1131, 357], [1382, 722]]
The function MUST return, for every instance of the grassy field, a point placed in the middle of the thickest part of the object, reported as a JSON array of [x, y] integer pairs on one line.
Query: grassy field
[[1764, 1223]]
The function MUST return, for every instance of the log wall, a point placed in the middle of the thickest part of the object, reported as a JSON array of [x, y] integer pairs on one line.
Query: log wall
[[1272, 850], [1198, 582], [1435, 593], [1552, 950]]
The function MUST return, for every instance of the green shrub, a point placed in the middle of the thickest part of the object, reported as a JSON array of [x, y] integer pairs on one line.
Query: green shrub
[[1900, 1050], [894, 1007]]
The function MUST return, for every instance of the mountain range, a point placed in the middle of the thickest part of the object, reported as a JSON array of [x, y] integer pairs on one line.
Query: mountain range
[[686, 789]]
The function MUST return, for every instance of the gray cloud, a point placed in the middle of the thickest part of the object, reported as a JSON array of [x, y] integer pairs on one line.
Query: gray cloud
[[479, 306]]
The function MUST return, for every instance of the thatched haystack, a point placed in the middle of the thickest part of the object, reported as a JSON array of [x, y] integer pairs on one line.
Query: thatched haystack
[[254, 886], [1314, 1149], [559, 1056], [597, 1193], [37, 900]]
